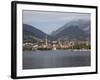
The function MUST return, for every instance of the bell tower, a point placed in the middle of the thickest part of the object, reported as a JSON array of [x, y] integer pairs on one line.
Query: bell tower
[[46, 41]]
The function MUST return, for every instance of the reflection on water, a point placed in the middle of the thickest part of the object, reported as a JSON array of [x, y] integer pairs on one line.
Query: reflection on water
[[55, 59]]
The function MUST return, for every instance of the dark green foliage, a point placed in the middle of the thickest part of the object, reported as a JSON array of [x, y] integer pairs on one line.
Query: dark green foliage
[[81, 46]]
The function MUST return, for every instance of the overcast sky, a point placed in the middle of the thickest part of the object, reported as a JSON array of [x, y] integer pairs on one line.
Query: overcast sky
[[50, 21]]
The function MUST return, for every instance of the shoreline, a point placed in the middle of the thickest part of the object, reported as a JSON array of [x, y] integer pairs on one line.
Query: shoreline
[[60, 49]]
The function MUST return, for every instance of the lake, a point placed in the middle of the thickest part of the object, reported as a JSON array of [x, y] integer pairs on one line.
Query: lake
[[55, 59]]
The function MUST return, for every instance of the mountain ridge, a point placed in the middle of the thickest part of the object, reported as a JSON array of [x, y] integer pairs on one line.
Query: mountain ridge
[[74, 30], [77, 22]]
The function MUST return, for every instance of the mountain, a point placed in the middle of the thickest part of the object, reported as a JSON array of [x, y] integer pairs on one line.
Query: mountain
[[74, 30], [31, 30], [31, 33], [71, 33]]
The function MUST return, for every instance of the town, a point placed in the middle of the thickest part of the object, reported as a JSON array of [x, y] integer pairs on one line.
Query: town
[[57, 45]]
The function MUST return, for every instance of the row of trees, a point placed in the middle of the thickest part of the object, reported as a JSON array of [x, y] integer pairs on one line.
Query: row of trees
[[82, 46]]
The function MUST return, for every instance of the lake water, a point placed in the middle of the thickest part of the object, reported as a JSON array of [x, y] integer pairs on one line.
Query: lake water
[[55, 59]]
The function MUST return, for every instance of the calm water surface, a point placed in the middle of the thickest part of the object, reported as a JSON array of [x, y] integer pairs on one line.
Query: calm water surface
[[55, 59]]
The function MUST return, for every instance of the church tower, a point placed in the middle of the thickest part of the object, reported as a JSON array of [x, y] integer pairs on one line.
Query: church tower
[[46, 41]]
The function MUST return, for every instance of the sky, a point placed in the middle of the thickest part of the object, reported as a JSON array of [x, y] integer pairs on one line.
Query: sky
[[48, 21]]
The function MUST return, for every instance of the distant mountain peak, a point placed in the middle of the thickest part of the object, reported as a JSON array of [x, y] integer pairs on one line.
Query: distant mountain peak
[[76, 29], [81, 23]]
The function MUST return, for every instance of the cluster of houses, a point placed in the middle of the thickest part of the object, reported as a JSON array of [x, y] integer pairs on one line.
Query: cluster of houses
[[52, 45]]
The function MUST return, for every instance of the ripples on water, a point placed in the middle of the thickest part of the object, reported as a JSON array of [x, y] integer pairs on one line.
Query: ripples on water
[[55, 59]]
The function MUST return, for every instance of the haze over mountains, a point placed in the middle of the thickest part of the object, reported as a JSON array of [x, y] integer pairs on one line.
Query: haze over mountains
[[74, 30]]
